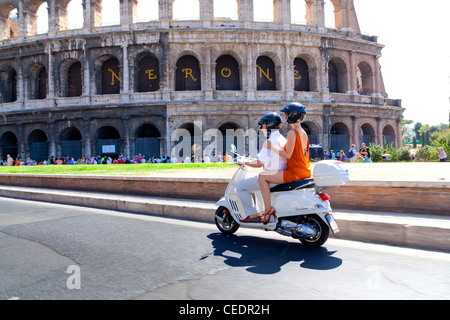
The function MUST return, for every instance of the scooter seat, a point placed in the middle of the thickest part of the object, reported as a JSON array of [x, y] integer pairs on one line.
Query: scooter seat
[[294, 185]]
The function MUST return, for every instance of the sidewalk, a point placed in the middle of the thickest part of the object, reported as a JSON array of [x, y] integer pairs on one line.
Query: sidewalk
[[388, 228]]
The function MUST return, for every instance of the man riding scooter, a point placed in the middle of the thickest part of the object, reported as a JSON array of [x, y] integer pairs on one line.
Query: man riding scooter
[[269, 125]]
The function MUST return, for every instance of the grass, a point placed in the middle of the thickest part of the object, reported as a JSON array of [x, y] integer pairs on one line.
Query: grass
[[109, 169]]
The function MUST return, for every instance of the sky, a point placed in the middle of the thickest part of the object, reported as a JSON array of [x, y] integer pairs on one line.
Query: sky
[[415, 62]]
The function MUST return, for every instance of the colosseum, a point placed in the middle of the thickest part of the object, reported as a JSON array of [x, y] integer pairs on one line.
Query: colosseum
[[128, 88]]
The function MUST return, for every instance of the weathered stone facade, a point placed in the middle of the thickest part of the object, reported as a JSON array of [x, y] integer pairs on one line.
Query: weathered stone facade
[[125, 89]]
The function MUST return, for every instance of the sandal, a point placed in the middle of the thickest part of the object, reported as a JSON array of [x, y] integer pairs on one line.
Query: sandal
[[266, 218], [253, 218]]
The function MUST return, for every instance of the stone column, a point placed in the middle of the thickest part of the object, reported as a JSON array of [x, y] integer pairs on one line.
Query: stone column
[[165, 12], [246, 12], [282, 13], [354, 136], [353, 74], [379, 133], [377, 77], [125, 93], [315, 15], [206, 12]]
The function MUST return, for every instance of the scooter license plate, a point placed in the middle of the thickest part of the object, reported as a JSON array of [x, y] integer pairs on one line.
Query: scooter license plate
[[332, 223]]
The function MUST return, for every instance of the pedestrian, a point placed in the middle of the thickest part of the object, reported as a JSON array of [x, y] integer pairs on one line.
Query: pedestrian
[[9, 160], [351, 155], [342, 156], [442, 155]]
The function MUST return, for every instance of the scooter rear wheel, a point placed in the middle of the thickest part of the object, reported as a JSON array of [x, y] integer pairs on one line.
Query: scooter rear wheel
[[224, 221], [322, 229]]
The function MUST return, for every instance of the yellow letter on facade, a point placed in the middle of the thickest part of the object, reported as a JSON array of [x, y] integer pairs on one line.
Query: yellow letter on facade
[[113, 75], [225, 72], [266, 74], [188, 72], [151, 76]]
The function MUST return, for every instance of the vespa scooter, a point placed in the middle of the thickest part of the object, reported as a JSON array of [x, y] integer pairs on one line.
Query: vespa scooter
[[303, 210]]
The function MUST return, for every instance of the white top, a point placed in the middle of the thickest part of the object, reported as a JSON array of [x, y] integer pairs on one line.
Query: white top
[[272, 160]]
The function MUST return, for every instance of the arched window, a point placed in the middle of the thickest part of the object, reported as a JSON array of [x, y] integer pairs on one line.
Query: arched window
[[364, 79], [227, 73], [38, 144], [265, 74], [70, 140], [188, 74], [41, 84], [301, 75], [108, 142], [367, 134], [110, 12], [388, 136], [339, 137], [330, 20], [111, 76], [74, 88], [75, 14], [8, 21], [8, 145], [337, 75], [298, 11], [8, 83], [148, 140], [148, 74], [42, 19]]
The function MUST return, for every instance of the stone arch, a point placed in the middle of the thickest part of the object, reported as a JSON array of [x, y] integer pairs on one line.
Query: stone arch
[[313, 131], [388, 135], [188, 73], [340, 135], [70, 141], [147, 140], [147, 72], [337, 75], [71, 78], [38, 145], [8, 84], [36, 74], [108, 141], [8, 145], [107, 74], [227, 73], [365, 78], [9, 27], [367, 133], [266, 73]]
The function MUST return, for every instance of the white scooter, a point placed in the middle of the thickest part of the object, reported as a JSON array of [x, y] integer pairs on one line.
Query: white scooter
[[302, 210]]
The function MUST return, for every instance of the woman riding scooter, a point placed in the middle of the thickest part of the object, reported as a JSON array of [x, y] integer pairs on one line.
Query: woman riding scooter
[[269, 125], [296, 152]]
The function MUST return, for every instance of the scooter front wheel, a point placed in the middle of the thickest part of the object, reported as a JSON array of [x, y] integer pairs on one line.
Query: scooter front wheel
[[224, 221]]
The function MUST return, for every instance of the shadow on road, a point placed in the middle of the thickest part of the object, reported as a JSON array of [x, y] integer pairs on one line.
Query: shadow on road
[[267, 256]]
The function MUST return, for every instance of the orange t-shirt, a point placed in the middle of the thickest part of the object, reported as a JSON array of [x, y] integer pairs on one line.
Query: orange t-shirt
[[298, 166]]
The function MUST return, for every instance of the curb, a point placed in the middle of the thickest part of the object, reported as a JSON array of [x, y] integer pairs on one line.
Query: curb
[[386, 228]]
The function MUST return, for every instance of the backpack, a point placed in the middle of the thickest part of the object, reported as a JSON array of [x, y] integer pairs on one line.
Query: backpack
[[350, 153]]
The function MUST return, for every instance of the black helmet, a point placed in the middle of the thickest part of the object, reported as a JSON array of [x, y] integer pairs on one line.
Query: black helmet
[[272, 120], [295, 111]]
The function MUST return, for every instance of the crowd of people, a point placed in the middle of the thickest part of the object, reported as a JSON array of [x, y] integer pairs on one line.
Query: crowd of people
[[122, 159], [353, 155]]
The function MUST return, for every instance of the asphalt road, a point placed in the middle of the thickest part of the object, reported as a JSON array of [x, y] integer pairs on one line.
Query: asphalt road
[[50, 251]]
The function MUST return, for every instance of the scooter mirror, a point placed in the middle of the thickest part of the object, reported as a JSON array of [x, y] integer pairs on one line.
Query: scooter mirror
[[233, 148]]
